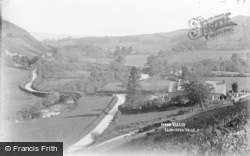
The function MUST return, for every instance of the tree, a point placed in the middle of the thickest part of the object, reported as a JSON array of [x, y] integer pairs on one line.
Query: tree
[[176, 66], [197, 91], [158, 65], [184, 72], [121, 59], [235, 87], [118, 69], [235, 57], [133, 85]]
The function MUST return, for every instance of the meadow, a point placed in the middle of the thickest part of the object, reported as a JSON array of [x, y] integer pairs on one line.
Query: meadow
[[151, 84], [139, 60], [14, 99], [62, 80], [67, 127]]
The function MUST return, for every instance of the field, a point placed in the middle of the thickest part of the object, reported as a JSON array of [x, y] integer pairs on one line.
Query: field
[[67, 127], [243, 82], [62, 81], [68, 74], [195, 56], [139, 60], [14, 99], [147, 85]]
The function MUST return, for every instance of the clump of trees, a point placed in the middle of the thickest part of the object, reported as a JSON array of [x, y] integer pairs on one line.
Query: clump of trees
[[116, 71], [28, 113], [134, 97], [197, 91], [25, 61], [122, 51], [157, 65]]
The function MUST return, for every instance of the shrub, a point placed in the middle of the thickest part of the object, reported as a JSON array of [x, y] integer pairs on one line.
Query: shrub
[[95, 136], [51, 99], [29, 113]]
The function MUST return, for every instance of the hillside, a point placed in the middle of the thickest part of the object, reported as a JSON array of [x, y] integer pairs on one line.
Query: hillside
[[16, 39], [175, 41]]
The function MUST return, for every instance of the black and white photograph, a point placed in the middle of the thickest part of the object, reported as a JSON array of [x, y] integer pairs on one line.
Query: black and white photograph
[[125, 78]]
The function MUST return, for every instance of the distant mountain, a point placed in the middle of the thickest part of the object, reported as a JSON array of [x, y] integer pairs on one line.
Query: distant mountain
[[18, 40], [175, 41]]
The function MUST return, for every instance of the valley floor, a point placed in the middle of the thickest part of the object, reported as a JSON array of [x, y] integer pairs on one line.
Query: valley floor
[[68, 127]]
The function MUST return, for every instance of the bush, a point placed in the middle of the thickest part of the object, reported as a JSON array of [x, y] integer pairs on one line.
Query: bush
[[95, 136], [28, 114], [51, 99]]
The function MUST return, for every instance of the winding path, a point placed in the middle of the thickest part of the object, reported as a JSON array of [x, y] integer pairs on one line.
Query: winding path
[[28, 86], [88, 139]]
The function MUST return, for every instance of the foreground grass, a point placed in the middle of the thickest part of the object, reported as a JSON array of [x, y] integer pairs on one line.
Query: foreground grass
[[13, 99], [221, 132], [67, 127]]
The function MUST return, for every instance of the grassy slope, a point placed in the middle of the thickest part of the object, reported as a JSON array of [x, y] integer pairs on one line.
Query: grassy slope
[[65, 127], [18, 40], [14, 99], [161, 141]]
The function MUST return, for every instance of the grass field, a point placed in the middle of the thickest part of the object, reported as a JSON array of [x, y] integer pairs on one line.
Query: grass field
[[148, 85], [14, 99], [65, 127], [68, 74], [62, 81]]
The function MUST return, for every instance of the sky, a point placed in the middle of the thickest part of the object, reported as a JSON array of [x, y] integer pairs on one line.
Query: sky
[[114, 17]]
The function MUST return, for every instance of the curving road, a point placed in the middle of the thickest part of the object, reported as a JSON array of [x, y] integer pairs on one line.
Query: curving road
[[28, 86], [87, 140]]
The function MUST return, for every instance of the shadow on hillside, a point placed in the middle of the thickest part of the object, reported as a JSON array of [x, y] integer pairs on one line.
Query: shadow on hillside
[[85, 115]]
